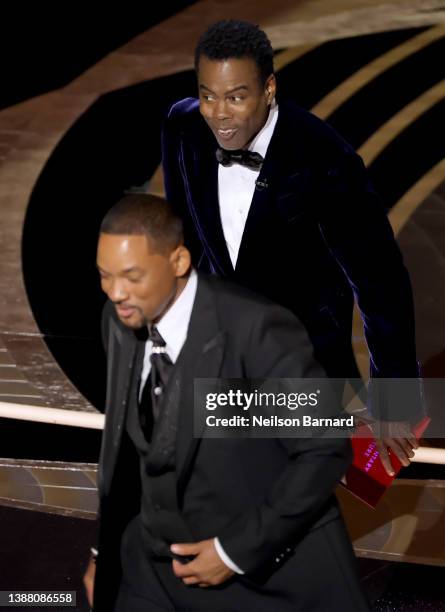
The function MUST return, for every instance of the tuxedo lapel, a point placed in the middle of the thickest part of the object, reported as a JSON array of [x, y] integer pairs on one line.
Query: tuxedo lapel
[[124, 362], [282, 164], [203, 196], [122, 359], [201, 357]]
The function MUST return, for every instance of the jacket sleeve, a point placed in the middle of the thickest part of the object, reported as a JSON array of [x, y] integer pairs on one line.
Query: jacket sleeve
[[355, 227], [280, 348], [176, 182]]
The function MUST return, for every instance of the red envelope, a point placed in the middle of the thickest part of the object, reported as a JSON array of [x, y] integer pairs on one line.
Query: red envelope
[[367, 478]]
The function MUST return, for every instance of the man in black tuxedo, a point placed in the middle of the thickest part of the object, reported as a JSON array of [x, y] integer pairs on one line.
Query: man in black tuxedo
[[204, 524], [276, 200]]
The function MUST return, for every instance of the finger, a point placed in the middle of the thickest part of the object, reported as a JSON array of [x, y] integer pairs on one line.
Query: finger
[[400, 450], [406, 445], [413, 441], [186, 549], [384, 458], [404, 431], [182, 570], [191, 580]]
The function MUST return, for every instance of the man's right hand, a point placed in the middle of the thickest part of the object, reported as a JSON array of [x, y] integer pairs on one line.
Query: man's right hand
[[88, 581]]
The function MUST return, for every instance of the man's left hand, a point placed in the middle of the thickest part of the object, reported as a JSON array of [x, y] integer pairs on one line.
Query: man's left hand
[[206, 569], [397, 436]]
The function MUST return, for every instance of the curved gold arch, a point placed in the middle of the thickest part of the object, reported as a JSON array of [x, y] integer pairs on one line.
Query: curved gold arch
[[398, 217], [413, 198], [399, 122], [286, 57], [359, 79], [409, 202]]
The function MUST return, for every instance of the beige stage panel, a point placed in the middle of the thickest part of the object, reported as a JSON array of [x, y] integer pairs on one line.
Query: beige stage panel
[[407, 525]]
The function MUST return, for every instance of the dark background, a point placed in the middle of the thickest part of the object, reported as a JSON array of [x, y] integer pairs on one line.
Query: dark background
[[44, 48]]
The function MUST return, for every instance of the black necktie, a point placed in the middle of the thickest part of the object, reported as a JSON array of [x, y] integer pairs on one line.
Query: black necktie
[[155, 385], [251, 160], [161, 365]]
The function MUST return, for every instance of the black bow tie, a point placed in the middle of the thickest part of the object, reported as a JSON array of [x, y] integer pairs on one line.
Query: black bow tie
[[251, 160]]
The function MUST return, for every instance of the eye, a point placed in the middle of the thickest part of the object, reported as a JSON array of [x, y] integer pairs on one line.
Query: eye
[[236, 99], [208, 97], [134, 276]]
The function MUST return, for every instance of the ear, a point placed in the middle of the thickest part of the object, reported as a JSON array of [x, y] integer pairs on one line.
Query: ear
[[270, 88], [181, 260]]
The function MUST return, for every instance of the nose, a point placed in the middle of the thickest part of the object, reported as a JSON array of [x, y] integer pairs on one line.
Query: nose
[[116, 291], [221, 110]]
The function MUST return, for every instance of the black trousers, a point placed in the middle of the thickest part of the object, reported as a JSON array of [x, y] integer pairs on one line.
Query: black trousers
[[321, 576]]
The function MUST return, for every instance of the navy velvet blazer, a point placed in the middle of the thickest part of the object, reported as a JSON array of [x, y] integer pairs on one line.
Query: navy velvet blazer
[[316, 235]]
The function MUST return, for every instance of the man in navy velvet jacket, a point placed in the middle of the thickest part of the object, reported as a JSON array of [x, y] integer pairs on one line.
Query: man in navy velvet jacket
[[275, 199]]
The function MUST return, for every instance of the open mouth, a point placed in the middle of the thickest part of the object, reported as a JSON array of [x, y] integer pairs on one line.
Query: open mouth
[[225, 133], [125, 311]]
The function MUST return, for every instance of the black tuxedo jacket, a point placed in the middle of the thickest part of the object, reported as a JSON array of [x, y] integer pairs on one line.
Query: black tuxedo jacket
[[315, 234], [265, 494]]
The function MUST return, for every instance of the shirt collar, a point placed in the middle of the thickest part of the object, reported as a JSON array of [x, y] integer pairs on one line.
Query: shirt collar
[[174, 324], [261, 141]]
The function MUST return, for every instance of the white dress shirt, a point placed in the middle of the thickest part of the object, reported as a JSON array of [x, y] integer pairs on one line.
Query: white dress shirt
[[236, 185], [173, 327]]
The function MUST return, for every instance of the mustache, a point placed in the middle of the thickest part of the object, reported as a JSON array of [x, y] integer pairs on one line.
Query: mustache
[[125, 305]]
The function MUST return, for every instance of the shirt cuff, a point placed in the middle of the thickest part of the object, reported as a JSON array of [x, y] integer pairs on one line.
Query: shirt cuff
[[225, 559]]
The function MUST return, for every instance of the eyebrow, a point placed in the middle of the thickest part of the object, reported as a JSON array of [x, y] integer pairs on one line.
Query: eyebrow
[[126, 271], [230, 91]]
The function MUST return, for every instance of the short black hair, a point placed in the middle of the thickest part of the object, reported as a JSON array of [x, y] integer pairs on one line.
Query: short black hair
[[236, 39], [145, 214]]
